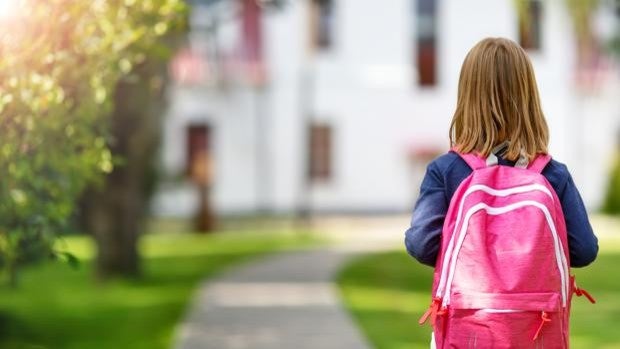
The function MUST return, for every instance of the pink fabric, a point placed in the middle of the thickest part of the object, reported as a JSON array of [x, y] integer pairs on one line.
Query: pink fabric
[[474, 161], [539, 163], [508, 262], [550, 301]]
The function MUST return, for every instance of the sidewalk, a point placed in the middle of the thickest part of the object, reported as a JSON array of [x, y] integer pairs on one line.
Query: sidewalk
[[286, 301]]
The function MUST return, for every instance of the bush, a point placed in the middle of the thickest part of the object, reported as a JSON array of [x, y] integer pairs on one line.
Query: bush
[[612, 198]]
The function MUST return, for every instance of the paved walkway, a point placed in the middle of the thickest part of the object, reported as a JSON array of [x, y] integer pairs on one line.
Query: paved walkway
[[286, 301]]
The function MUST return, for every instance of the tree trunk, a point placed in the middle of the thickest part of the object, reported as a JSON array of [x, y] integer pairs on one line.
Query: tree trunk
[[115, 212], [115, 220]]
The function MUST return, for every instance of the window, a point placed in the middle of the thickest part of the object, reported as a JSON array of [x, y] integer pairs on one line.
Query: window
[[252, 43], [530, 18], [198, 153], [320, 142], [321, 23], [426, 42]]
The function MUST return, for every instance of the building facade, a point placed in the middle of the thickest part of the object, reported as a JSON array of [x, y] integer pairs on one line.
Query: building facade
[[337, 105]]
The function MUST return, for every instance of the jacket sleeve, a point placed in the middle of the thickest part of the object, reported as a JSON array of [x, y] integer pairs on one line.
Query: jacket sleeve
[[582, 243], [423, 237]]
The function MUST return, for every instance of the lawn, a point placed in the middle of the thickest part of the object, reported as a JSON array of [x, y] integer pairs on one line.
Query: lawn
[[388, 292], [57, 307]]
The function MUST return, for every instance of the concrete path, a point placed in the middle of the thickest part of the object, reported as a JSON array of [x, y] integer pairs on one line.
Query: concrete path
[[285, 301]]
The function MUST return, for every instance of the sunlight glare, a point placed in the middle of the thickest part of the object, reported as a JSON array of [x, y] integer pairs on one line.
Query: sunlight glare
[[8, 8]]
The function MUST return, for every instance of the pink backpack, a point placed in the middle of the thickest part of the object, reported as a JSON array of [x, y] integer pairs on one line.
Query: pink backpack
[[502, 276]]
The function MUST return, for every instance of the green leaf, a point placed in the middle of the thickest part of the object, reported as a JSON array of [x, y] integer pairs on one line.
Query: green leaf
[[70, 258]]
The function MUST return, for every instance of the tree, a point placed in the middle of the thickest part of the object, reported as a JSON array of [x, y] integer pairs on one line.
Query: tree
[[60, 61], [114, 212]]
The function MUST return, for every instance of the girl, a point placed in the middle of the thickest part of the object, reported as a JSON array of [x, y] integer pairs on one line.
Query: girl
[[497, 107], [498, 112]]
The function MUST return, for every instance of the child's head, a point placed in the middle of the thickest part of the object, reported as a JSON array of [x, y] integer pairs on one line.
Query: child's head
[[498, 101]]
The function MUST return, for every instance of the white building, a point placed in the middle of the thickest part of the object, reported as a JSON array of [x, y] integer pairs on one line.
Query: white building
[[350, 92]]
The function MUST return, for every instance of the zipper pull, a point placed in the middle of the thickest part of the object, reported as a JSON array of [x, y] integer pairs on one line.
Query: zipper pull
[[581, 292], [432, 312], [544, 319]]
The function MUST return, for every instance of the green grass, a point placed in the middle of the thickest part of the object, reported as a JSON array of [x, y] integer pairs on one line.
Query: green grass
[[60, 307], [388, 292]]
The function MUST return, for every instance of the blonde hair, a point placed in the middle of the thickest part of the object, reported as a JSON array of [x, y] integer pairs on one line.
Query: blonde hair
[[497, 102]]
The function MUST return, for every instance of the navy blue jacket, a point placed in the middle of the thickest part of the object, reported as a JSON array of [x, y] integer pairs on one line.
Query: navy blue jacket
[[443, 176]]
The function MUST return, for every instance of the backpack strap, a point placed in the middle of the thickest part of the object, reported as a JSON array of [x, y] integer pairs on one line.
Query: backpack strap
[[539, 163], [474, 161]]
